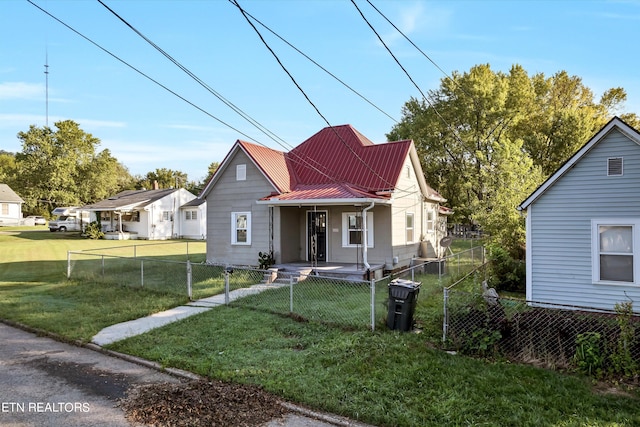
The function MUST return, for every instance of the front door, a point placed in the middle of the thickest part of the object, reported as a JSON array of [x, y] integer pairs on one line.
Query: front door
[[317, 236]]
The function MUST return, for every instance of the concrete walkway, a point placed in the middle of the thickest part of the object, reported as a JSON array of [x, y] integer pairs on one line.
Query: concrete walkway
[[120, 331]]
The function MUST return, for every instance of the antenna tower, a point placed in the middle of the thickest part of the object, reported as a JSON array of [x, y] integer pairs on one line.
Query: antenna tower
[[46, 73]]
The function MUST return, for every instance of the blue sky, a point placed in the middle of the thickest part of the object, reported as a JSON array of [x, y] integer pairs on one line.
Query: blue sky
[[145, 127]]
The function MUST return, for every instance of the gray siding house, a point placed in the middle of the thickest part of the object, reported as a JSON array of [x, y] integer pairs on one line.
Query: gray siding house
[[335, 198], [583, 225]]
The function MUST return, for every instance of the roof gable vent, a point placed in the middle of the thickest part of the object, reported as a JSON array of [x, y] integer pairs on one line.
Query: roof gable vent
[[614, 166]]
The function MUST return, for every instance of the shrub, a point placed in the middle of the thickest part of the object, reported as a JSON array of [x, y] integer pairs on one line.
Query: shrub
[[589, 358], [507, 274], [93, 231]]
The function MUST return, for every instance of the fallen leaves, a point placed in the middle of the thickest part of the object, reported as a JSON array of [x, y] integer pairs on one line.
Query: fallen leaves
[[201, 403]]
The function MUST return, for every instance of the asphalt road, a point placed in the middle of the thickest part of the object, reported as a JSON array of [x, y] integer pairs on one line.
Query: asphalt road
[[48, 383], [44, 382]]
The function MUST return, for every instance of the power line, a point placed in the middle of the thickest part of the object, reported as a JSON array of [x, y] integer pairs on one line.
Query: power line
[[235, 2], [228, 103], [140, 72], [318, 65], [451, 128], [418, 49]]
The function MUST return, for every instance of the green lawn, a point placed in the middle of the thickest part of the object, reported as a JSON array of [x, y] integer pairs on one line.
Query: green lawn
[[384, 378], [34, 289]]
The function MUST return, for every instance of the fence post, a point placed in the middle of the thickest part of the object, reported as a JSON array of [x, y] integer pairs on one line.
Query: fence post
[[445, 321], [291, 293], [142, 273], [68, 264], [373, 304], [226, 286], [189, 290]]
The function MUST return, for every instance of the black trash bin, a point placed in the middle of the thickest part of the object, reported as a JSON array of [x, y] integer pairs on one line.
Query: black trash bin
[[403, 295]]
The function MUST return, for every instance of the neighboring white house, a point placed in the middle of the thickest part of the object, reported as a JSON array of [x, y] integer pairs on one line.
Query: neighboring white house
[[335, 198], [149, 214], [583, 225], [193, 221], [10, 206]]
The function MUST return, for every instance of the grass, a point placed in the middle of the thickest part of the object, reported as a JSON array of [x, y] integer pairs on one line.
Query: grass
[[34, 289], [384, 377]]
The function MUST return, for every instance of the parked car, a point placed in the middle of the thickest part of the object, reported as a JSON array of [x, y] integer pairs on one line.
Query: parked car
[[37, 220]]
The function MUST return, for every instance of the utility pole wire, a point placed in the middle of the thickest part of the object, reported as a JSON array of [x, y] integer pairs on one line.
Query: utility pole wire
[[319, 66], [140, 72]]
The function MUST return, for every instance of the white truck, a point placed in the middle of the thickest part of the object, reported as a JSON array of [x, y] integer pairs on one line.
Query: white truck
[[68, 218]]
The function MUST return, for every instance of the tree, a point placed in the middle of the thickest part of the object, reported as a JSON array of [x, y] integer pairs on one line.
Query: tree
[[163, 178], [479, 124], [7, 167], [61, 167]]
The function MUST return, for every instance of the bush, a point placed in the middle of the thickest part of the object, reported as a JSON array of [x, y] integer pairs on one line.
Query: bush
[[507, 274], [93, 231]]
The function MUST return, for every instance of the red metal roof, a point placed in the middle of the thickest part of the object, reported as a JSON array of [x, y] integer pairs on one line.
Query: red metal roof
[[273, 163], [340, 154], [337, 162]]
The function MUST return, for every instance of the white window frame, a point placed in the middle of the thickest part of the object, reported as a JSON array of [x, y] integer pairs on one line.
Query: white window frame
[[167, 216], [345, 230], [411, 228], [241, 172], [595, 249], [430, 219], [234, 229], [191, 215]]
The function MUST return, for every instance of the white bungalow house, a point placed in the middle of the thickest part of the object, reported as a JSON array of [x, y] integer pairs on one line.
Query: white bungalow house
[[10, 206], [583, 225], [335, 198], [150, 214]]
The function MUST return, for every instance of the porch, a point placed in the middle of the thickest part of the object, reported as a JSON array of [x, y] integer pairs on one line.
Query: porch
[[348, 271]]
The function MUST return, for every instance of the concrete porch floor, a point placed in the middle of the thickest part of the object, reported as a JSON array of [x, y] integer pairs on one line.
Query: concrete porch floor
[[330, 269]]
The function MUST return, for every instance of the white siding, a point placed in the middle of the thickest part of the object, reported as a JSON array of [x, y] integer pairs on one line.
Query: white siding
[[560, 226]]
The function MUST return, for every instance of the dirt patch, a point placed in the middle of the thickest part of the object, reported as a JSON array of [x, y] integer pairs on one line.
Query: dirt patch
[[201, 403]]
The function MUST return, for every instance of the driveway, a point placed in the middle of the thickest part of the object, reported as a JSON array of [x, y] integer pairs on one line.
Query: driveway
[[49, 383]]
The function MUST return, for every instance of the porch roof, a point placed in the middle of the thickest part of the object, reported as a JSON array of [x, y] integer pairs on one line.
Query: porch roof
[[325, 194]]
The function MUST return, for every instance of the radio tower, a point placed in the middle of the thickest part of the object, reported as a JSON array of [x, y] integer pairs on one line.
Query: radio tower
[[46, 79]]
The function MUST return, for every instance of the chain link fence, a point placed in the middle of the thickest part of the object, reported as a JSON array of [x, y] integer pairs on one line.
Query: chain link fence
[[346, 303], [596, 342], [308, 297]]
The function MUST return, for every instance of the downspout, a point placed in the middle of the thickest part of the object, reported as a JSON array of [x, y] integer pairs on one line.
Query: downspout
[[365, 230]]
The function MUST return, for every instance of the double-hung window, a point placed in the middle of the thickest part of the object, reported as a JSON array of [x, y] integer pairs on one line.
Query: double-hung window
[[241, 228], [614, 251], [191, 215], [352, 229], [409, 227]]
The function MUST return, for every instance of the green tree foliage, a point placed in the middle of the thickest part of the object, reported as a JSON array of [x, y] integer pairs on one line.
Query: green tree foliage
[[61, 167], [7, 167], [486, 139], [163, 178]]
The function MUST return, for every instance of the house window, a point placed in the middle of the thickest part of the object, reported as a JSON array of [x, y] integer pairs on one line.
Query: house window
[[190, 215], [409, 227], [352, 229], [241, 172], [431, 215], [166, 216], [131, 216], [5, 208], [614, 247], [614, 166], [241, 228]]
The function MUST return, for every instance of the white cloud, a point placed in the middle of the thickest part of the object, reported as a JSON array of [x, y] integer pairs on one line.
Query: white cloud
[[21, 90]]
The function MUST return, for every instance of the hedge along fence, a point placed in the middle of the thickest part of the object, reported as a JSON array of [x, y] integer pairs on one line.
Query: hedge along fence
[[595, 342]]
